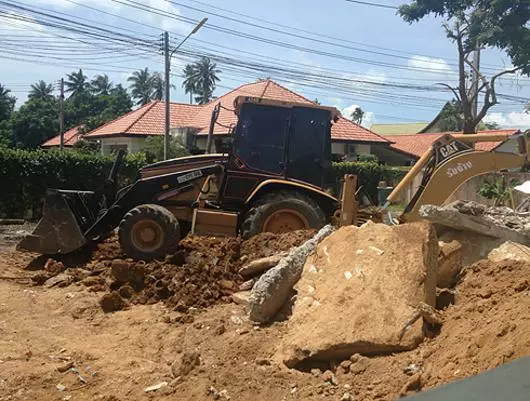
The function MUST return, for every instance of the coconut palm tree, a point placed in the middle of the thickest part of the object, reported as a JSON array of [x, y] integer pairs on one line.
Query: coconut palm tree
[[101, 85], [141, 86], [7, 103], [201, 78], [41, 90], [76, 83], [357, 115], [189, 82], [158, 85]]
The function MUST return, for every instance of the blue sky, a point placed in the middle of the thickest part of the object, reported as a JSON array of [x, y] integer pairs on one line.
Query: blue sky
[[417, 54]]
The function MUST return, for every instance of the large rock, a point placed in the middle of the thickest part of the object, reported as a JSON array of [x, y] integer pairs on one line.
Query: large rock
[[511, 251], [363, 291]]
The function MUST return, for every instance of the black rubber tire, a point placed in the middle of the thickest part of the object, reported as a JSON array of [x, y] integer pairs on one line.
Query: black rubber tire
[[273, 201], [161, 216]]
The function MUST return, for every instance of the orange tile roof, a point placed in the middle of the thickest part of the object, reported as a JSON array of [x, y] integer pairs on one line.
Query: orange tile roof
[[70, 137], [418, 144], [149, 119]]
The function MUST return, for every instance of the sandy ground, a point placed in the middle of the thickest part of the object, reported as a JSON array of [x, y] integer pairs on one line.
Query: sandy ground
[[58, 344]]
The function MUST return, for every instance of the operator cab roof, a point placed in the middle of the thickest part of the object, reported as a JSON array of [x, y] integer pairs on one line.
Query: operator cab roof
[[240, 100]]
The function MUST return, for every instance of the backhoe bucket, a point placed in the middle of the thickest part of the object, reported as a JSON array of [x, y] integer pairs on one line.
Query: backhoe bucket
[[58, 230]]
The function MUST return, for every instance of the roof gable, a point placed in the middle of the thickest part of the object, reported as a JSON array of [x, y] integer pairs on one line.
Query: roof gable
[[70, 138]]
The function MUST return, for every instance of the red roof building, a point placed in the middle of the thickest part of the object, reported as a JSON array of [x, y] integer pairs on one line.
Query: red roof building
[[409, 148], [129, 130], [70, 138]]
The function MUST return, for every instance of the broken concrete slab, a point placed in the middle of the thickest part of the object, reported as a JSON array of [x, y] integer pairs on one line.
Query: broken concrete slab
[[274, 288], [452, 218], [258, 266], [449, 263], [354, 299]]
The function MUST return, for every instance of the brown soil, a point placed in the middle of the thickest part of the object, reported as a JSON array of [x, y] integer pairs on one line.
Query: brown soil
[[55, 337]]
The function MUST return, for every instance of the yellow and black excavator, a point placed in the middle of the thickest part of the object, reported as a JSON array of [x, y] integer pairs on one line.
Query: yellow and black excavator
[[275, 178]]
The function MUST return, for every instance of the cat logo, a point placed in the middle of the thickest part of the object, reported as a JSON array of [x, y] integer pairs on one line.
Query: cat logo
[[449, 149]]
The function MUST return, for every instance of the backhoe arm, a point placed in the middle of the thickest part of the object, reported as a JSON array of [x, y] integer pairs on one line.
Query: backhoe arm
[[450, 162]]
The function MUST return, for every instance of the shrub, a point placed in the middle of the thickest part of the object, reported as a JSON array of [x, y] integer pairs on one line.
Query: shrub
[[25, 176]]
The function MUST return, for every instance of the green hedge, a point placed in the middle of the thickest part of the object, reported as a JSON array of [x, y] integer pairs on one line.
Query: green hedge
[[25, 175], [369, 174]]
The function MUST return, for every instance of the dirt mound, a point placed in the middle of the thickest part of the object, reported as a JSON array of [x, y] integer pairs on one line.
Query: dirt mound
[[200, 272], [362, 291]]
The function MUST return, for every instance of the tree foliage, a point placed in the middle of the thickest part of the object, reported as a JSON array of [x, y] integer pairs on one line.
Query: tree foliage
[[472, 24], [101, 85], [41, 90], [7, 103], [141, 86], [34, 123], [201, 78], [76, 83], [154, 148], [357, 115]]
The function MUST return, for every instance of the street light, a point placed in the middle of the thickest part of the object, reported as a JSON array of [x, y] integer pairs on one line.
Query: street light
[[168, 84]]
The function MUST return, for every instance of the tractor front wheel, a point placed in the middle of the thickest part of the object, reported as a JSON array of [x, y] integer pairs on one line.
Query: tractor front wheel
[[148, 231], [282, 211]]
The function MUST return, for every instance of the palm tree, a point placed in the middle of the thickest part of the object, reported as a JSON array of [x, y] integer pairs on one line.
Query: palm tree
[[202, 76], [7, 103], [41, 90], [76, 83], [141, 86], [357, 115], [101, 85], [157, 85], [189, 81]]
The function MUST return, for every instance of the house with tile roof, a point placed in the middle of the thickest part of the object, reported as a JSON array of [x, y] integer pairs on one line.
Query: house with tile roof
[[192, 123], [406, 149], [70, 138]]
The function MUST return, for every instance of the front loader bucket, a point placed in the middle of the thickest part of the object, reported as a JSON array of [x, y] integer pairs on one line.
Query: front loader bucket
[[57, 231]]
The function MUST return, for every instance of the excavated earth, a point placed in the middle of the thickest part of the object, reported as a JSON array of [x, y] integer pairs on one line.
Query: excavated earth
[[56, 342]]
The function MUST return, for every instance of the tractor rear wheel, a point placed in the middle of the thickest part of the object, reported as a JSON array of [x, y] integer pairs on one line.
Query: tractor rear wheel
[[148, 231], [282, 211]]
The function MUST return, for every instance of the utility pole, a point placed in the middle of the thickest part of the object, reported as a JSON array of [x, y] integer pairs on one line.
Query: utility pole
[[61, 116], [475, 82], [167, 99]]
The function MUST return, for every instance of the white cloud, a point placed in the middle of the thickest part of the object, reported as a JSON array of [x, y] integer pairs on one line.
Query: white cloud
[[434, 65], [368, 118], [512, 119]]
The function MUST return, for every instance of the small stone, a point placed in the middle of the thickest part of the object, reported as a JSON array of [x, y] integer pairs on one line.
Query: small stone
[[228, 284], [219, 329], [263, 361], [112, 302], [411, 369], [247, 285], [236, 319], [329, 377], [241, 298], [65, 367], [60, 387], [120, 270], [316, 372], [345, 365], [186, 363], [346, 397], [242, 331], [243, 258], [155, 387], [176, 381], [347, 387]]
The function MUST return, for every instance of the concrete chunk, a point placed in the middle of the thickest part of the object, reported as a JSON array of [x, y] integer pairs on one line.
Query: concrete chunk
[[379, 307]]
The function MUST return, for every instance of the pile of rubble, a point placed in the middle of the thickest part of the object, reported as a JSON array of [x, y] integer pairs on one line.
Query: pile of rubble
[[201, 272]]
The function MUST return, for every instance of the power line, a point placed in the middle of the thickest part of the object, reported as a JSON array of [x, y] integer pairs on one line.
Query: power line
[[367, 3]]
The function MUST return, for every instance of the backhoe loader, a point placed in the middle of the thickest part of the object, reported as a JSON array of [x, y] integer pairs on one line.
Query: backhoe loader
[[276, 177]]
